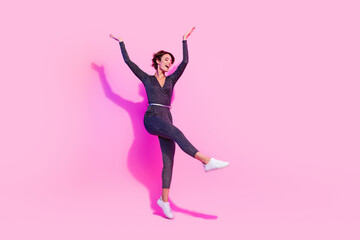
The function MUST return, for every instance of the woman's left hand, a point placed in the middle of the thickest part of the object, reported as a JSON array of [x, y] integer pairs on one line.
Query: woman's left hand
[[186, 35]]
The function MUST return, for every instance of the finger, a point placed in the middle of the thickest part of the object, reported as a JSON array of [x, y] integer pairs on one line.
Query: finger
[[113, 37], [189, 33]]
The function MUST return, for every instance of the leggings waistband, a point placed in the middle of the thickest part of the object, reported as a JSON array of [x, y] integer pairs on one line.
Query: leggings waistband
[[158, 104]]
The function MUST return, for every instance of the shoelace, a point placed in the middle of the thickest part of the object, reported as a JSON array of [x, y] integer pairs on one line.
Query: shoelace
[[168, 205], [217, 163]]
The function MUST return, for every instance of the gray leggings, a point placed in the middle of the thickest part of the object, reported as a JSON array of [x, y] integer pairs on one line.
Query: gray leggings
[[168, 134]]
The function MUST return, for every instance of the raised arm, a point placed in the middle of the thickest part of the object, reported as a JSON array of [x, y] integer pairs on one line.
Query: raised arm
[[180, 69], [134, 68]]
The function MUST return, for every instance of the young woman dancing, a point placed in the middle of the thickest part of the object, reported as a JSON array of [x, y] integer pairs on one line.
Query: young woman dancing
[[158, 119]]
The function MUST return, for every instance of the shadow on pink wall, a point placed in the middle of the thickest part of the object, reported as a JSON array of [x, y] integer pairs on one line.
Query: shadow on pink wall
[[144, 157]]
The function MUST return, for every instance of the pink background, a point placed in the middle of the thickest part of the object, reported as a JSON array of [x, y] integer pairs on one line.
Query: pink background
[[271, 86]]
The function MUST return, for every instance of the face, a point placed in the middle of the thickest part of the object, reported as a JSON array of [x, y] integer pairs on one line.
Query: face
[[165, 62]]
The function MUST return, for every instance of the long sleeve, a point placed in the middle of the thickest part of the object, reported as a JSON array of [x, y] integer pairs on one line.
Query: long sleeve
[[180, 69], [134, 68]]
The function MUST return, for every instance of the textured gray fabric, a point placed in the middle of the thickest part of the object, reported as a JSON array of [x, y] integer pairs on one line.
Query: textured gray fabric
[[158, 119]]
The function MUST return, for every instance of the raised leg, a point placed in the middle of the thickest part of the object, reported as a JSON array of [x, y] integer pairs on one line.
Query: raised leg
[[157, 126]]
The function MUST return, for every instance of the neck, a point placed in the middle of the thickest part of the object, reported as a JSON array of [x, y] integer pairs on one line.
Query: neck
[[159, 73]]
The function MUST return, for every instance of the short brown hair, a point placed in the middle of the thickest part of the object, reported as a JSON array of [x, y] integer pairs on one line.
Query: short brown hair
[[158, 56]]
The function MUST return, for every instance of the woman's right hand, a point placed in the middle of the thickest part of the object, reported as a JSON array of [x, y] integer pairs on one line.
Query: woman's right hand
[[116, 38]]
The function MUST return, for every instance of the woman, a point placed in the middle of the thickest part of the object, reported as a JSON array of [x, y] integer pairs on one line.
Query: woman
[[158, 119]]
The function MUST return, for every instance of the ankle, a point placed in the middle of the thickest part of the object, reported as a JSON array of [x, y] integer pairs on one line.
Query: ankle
[[206, 161]]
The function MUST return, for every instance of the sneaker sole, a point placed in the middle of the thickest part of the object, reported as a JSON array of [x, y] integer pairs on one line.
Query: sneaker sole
[[213, 169]]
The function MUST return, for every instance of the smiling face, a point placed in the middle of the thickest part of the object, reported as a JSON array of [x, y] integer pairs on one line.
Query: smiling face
[[165, 63]]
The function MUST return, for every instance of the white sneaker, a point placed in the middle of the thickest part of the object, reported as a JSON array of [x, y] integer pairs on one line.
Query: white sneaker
[[166, 208], [215, 164]]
